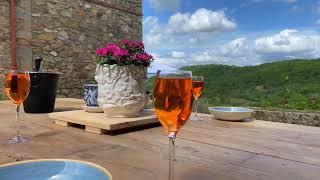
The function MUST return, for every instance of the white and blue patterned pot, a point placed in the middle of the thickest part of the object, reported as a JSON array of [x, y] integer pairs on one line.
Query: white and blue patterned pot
[[90, 94]]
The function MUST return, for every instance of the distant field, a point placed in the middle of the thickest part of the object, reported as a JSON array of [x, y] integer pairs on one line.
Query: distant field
[[293, 84]]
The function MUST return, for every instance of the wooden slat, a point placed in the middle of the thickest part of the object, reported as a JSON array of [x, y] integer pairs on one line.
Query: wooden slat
[[219, 154], [94, 130], [206, 149], [99, 121], [62, 123]]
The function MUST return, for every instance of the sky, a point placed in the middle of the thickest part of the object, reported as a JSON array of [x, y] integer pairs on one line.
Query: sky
[[232, 32]]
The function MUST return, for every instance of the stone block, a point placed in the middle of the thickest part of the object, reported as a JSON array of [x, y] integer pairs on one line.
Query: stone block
[[27, 35], [45, 37], [23, 14], [51, 9], [66, 13], [4, 22], [40, 2], [287, 116], [54, 53], [24, 56], [63, 35], [36, 15]]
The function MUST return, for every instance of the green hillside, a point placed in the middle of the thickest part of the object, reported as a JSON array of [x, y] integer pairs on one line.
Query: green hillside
[[293, 84]]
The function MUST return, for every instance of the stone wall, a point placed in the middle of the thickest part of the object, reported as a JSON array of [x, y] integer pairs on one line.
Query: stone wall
[[24, 34], [4, 40], [291, 117], [66, 34]]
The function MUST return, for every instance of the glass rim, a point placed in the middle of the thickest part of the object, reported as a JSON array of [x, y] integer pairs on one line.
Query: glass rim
[[17, 71], [173, 72], [197, 78]]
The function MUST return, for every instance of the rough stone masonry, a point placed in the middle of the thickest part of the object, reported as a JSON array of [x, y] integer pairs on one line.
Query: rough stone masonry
[[66, 34]]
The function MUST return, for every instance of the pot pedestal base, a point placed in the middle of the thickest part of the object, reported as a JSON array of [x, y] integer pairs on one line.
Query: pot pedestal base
[[99, 124]]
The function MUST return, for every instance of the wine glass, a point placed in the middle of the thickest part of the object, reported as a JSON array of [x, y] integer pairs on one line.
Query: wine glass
[[17, 89], [197, 88], [173, 104]]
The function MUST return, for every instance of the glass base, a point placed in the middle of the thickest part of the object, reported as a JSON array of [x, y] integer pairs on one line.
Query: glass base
[[19, 139], [195, 118]]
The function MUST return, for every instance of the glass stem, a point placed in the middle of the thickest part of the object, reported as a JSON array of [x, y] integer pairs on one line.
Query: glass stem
[[172, 137], [196, 104], [18, 120]]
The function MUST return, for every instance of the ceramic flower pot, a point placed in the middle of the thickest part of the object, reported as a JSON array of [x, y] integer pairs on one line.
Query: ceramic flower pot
[[90, 95], [121, 89]]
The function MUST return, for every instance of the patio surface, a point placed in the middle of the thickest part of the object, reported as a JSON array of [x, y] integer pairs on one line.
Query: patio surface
[[207, 149]]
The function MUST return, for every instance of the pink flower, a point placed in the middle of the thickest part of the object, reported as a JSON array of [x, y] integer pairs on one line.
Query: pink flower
[[99, 51], [120, 53], [138, 44], [144, 56], [127, 52], [133, 57], [133, 44], [125, 42], [105, 51], [110, 48]]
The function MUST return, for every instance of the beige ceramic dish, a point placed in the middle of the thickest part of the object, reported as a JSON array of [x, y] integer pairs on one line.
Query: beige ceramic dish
[[231, 113]]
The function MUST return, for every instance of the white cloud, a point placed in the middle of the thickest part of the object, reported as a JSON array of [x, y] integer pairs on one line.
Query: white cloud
[[318, 21], [286, 44], [178, 54], [169, 60], [235, 48], [202, 20], [160, 5], [191, 28], [153, 40], [150, 21], [236, 52]]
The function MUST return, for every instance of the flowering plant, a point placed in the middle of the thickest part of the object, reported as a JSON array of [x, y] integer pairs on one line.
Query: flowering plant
[[124, 53]]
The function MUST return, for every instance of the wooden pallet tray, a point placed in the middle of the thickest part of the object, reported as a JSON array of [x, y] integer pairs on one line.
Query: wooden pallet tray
[[99, 124]]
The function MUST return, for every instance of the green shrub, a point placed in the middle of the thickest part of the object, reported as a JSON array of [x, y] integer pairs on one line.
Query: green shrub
[[290, 84], [203, 106]]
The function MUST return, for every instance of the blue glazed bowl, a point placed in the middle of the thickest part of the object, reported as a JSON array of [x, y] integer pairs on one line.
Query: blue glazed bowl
[[90, 95], [58, 169]]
